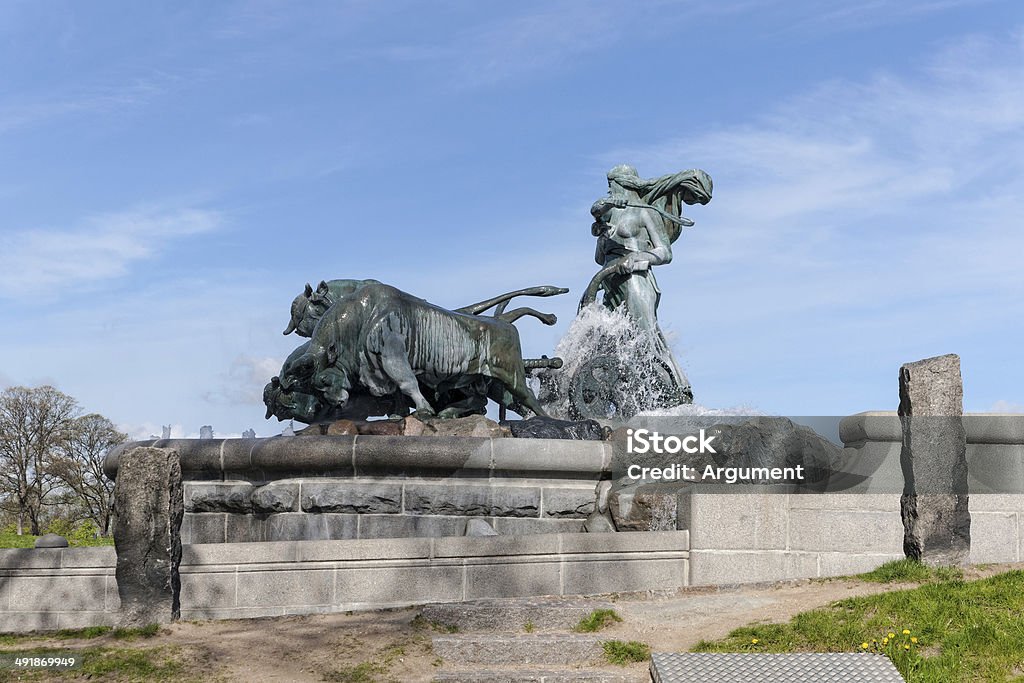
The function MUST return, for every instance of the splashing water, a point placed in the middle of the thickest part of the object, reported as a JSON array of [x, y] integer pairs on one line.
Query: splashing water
[[610, 364]]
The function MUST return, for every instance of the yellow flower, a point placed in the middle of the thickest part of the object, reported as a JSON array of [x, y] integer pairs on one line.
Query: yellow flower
[[906, 647], [906, 632], [885, 641], [891, 634], [864, 646], [914, 639], [755, 641]]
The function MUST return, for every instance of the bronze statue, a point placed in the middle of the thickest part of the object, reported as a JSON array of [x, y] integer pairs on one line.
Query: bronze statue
[[636, 224], [375, 350]]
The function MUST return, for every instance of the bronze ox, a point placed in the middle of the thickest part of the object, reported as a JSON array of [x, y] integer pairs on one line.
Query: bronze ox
[[380, 341]]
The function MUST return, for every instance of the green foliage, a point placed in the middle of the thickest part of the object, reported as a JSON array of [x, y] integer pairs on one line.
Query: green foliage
[[597, 620], [944, 631], [9, 539], [147, 631], [422, 623], [131, 664], [910, 571], [622, 653], [529, 627], [82, 633], [372, 671]]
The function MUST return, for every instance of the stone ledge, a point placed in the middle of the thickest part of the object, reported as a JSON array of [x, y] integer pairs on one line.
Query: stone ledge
[[348, 456], [981, 428]]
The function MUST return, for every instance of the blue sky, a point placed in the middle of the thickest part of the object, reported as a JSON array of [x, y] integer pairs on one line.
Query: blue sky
[[175, 172]]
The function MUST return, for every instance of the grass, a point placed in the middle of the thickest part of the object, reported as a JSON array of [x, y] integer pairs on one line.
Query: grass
[[621, 653], [911, 571], [421, 623], [373, 671], [944, 631], [597, 620], [13, 540], [123, 664], [87, 633]]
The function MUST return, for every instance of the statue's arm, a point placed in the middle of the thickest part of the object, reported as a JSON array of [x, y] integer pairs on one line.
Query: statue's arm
[[605, 204]]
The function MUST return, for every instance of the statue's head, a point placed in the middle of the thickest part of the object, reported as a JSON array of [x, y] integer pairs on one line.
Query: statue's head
[[623, 177], [307, 309], [622, 170]]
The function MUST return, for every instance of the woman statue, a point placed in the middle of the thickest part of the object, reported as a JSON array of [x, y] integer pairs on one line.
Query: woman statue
[[636, 225]]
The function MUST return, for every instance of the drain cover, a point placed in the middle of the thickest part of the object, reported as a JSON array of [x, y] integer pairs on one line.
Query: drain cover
[[809, 667]]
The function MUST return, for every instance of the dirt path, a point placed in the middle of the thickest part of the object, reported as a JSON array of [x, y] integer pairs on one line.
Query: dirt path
[[391, 646]]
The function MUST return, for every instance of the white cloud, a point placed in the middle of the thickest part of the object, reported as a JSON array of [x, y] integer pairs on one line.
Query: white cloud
[[103, 247], [1002, 406]]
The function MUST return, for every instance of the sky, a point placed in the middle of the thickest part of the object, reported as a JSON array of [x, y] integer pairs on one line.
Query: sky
[[175, 172]]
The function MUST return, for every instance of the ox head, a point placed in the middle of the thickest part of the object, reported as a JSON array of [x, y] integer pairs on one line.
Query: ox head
[[290, 405], [307, 309]]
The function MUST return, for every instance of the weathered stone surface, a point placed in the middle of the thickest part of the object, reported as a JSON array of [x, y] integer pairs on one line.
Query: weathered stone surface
[[413, 427], [511, 615], [149, 506], [534, 648], [599, 522], [650, 507], [381, 428], [51, 541], [568, 502], [479, 527], [275, 497], [349, 497], [218, 497], [934, 506], [484, 501], [342, 428], [549, 428], [472, 425]]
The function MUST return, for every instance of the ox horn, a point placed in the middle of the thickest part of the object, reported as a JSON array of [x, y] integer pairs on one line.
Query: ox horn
[[290, 328]]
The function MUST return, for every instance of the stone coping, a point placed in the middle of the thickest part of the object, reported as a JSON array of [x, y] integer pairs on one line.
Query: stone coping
[[394, 455], [273, 552], [981, 428], [432, 548]]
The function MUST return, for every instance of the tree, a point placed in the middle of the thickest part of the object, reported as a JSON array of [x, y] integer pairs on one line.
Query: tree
[[79, 465], [34, 425]]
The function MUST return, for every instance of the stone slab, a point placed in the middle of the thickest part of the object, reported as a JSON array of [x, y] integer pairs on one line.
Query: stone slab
[[936, 519], [515, 526], [852, 531], [737, 521], [399, 585], [341, 496], [708, 567], [595, 577], [285, 587], [511, 580], [572, 503], [524, 649], [472, 499], [409, 526], [545, 614], [995, 537], [299, 526]]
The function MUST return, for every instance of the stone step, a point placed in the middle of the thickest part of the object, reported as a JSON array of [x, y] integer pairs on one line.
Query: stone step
[[540, 676], [519, 649], [512, 616]]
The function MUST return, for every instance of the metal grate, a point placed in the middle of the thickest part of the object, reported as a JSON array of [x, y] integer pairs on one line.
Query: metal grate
[[809, 667]]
